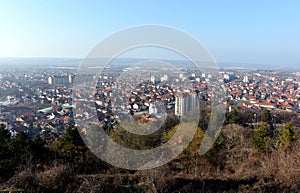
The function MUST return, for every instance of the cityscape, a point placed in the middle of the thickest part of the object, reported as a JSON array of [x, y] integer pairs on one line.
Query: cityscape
[[149, 97], [46, 103], [42, 102]]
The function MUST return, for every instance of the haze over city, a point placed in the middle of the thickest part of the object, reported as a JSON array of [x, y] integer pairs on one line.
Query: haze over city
[[252, 32]]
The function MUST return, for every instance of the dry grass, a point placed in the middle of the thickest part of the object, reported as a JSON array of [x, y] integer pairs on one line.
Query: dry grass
[[244, 169]]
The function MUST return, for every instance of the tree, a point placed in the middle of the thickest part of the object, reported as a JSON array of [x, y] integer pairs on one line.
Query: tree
[[266, 116], [21, 147], [6, 161], [261, 138], [4, 135], [39, 149], [232, 117], [72, 145], [287, 135]]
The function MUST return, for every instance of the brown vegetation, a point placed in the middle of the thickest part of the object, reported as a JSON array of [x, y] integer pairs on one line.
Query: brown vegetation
[[234, 164]]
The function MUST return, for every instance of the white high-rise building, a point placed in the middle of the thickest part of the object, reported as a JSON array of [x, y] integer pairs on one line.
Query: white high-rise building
[[164, 78], [157, 108], [154, 79], [50, 80], [185, 102], [246, 79], [226, 76], [152, 108]]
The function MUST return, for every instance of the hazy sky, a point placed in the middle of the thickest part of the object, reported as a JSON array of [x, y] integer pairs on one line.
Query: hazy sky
[[266, 32]]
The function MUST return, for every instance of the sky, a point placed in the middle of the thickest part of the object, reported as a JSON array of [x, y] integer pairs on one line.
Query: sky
[[258, 32]]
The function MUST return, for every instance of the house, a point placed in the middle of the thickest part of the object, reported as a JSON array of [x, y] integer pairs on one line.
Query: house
[[265, 104]]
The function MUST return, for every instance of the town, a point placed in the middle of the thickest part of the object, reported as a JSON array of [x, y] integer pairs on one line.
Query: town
[[44, 102]]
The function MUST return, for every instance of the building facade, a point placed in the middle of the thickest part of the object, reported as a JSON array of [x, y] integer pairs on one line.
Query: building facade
[[185, 102]]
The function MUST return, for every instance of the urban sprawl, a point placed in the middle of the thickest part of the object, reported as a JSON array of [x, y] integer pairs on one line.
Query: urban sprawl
[[45, 102]]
